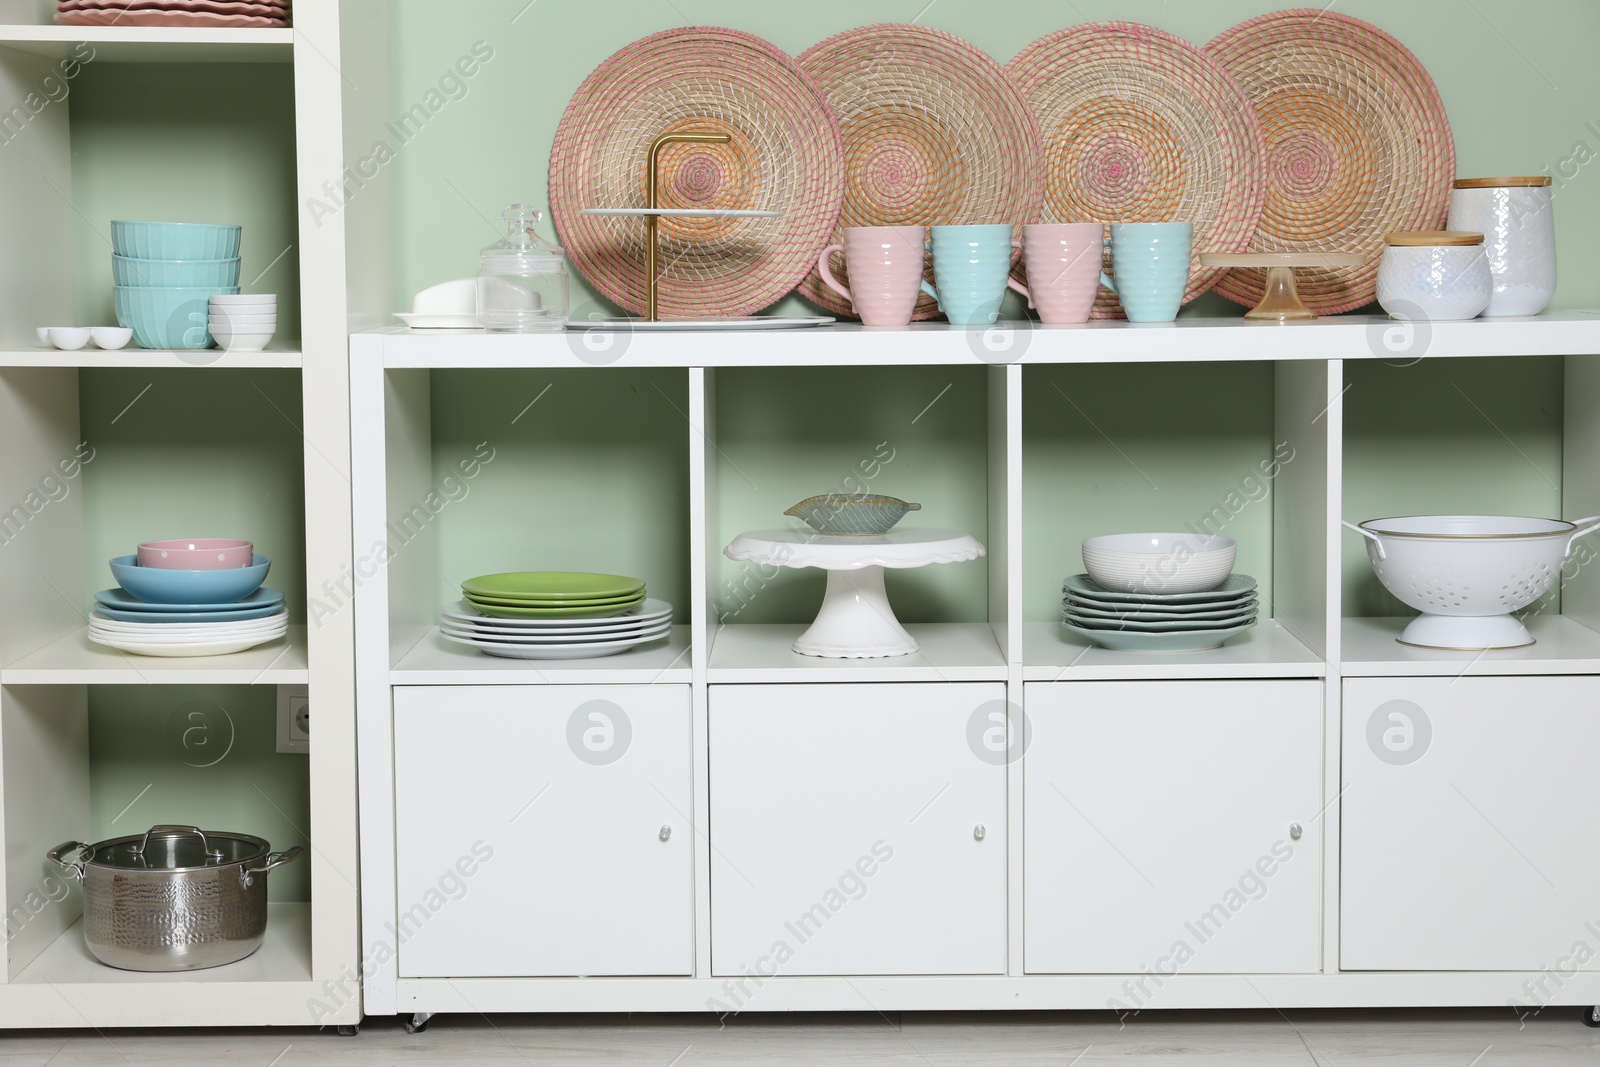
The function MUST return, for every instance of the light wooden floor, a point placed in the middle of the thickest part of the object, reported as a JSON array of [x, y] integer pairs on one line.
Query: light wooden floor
[[1217, 1039]]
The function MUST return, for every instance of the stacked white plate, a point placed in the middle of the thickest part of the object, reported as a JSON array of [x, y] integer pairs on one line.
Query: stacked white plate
[[244, 322], [186, 638], [1159, 622], [556, 638]]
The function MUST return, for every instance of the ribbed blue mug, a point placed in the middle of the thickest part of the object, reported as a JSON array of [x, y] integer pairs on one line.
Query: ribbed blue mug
[[972, 268], [1152, 264]]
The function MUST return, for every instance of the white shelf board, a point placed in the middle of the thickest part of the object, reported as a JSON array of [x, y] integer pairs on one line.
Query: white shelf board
[[1563, 646], [1191, 340], [284, 956], [425, 658], [1052, 653], [951, 652], [75, 660], [89, 356], [153, 44]]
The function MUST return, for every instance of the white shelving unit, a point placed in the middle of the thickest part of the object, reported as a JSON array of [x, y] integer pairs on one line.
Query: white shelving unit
[[48, 668], [1262, 741]]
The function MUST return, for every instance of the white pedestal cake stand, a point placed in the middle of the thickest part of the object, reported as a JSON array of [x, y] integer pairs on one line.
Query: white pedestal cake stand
[[855, 621]]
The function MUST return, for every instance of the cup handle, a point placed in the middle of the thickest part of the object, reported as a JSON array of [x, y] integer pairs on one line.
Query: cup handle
[[930, 290], [827, 275], [1013, 284], [1106, 281]]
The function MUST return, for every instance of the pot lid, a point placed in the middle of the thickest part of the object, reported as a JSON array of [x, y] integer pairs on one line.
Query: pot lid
[[176, 848]]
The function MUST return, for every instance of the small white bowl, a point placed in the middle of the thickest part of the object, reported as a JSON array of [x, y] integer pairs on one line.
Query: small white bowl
[[44, 334], [1159, 562], [245, 322], [250, 299], [110, 337], [69, 338]]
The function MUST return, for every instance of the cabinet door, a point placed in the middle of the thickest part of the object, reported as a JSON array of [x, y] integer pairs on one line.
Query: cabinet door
[[1159, 823], [1463, 839], [854, 830], [529, 824]]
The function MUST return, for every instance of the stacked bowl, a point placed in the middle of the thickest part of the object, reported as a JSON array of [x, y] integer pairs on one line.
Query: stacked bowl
[[554, 615], [190, 597], [1159, 592], [166, 273], [242, 322]]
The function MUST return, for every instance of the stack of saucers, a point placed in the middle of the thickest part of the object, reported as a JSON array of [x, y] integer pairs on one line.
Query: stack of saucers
[[554, 615], [191, 597], [1159, 622]]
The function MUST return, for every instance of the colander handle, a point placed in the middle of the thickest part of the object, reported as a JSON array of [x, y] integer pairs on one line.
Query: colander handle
[[1375, 539], [1584, 527]]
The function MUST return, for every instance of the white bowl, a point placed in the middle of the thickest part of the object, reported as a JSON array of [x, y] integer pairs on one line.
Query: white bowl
[[110, 337], [242, 342], [1159, 562], [69, 338], [1474, 569], [44, 334], [246, 299], [244, 321]]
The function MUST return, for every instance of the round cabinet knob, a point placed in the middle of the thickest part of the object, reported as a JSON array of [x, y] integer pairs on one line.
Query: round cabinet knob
[[1294, 831], [666, 832], [979, 833]]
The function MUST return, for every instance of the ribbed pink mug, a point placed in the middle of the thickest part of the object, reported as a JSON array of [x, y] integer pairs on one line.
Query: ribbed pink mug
[[885, 264], [1063, 261]]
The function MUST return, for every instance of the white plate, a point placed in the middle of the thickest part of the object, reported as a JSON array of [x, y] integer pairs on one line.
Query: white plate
[[154, 632], [215, 648], [589, 651], [634, 626], [190, 639], [681, 213], [558, 639], [747, 322], [650, 611], [438, 322]]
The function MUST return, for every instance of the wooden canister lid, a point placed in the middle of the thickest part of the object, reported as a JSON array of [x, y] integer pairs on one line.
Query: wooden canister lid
[[1536, 181], [1433, 239]]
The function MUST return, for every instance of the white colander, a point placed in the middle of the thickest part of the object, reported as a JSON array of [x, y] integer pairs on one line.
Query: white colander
[[1468, 573]]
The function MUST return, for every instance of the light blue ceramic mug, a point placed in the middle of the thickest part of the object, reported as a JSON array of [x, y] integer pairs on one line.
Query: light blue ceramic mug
[[972, 267], [1152, 264]]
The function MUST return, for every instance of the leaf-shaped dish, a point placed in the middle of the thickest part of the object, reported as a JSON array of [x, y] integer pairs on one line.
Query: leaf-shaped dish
[[851, 514]]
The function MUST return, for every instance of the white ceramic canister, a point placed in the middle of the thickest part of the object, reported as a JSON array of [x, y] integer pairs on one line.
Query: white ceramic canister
[[1517, 221], [1434, 275]]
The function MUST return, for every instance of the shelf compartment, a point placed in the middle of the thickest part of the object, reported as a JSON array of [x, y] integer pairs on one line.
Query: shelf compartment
[[75, 660], [763, 652], [91, 357], [1193, 339], [1562, 646], [153, 44], [1052, 653], [422, 657]]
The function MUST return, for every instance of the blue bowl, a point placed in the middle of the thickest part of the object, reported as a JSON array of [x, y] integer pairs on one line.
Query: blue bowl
[[174, 240], [156, 585], [174, 273], [167, 317]]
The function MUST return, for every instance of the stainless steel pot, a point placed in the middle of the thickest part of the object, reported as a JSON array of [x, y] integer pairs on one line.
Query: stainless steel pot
[[173, 898]]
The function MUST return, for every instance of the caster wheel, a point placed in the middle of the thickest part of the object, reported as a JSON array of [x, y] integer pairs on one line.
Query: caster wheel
[[1591, 1016], [418, 1023], [349, 1031]]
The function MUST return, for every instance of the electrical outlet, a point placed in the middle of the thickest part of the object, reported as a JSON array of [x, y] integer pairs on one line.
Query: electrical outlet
[[294, 719]]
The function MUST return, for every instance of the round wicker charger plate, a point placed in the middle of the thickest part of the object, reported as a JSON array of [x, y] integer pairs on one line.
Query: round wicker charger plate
[[784, 156], [1142, 126]]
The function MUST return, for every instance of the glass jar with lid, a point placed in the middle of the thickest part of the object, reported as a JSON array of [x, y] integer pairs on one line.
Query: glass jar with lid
[[522, 284]]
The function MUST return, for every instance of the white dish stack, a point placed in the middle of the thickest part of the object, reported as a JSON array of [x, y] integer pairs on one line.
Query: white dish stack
[[244, 322]]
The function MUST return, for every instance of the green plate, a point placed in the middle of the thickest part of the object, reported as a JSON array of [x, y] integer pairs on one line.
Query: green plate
[[1187, 641], [1236, 587], [540, 602], [501, 611], [552, 585]]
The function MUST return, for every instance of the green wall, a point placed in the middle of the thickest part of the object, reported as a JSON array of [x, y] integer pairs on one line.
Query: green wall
[[228, 130], [199, 754], [1519, 82]]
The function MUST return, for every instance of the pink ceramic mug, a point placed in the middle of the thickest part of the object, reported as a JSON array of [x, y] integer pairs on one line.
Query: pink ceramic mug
[[885, 265], [1063, 261]]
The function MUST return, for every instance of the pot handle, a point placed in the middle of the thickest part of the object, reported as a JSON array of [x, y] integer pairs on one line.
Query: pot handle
[[1375, 539], [179, 827], [274, 859], [1585, 527], [58, 855]]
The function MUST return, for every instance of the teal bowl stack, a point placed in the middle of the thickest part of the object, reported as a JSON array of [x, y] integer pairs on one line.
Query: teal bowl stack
[[166, 273]]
